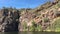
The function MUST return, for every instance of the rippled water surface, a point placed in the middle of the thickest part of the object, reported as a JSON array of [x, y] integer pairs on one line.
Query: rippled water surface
[[30, 33]]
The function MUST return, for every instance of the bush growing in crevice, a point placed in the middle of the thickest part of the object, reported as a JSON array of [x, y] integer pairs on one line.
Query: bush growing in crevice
[[46, 20], [35, 27]]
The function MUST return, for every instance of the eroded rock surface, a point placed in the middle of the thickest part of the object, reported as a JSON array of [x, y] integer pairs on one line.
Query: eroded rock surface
[[9, 20]]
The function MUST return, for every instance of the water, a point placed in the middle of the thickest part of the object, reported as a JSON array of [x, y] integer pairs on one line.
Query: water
[[30, 33]]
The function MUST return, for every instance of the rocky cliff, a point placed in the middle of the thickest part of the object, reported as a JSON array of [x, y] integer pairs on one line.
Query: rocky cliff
[[39, 19], [9, 20]]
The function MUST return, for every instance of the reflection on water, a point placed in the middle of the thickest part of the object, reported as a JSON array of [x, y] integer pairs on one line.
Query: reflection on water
[[39, 33], [8, 32], [30, 33]]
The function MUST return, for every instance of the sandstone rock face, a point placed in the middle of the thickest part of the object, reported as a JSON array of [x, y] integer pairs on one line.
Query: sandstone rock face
[[43, 16], [26, 17]]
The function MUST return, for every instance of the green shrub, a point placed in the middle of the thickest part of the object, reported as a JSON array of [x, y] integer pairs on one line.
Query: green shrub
[[59, 5], [56, 25], [35, 27], [46, 19], [25, 26]]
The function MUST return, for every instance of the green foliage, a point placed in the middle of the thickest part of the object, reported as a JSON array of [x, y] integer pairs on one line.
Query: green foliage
[[46, 19], [25, 26], [35, 27], [32, 28], [55, 26], [38, 28], [58, 5]]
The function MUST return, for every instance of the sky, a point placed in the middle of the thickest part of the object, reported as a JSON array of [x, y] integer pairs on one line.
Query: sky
[[21, 3]]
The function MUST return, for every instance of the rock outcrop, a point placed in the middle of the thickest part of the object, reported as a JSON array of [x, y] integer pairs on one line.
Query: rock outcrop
[[9, 20], [42, 16]]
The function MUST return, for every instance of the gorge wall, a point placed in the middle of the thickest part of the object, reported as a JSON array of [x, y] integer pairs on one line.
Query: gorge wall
[[9, 20], [38, 19]]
